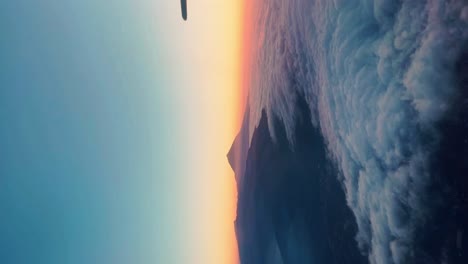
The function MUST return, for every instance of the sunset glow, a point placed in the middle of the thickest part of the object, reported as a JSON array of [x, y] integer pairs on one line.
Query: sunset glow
[[213, 44]]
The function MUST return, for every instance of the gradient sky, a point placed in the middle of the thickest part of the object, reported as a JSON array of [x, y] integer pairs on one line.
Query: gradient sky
[[115, 121]]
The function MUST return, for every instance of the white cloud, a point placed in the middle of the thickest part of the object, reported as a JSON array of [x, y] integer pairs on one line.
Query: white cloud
[[377, 76]]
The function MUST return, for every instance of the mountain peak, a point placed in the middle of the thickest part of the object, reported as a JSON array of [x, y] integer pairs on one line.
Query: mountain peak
[[237, 154]]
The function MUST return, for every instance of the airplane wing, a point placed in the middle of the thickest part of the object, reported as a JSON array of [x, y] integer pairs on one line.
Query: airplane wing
[[183, 4]]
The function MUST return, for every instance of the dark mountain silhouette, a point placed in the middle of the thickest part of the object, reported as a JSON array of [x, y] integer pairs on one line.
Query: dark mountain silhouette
[[291, 208], [237, 155]]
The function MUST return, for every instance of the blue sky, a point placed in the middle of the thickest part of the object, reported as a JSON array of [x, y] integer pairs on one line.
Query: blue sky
[[88, 135]]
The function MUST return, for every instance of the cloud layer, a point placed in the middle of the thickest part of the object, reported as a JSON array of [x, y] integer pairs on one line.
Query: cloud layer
[[378, 77]]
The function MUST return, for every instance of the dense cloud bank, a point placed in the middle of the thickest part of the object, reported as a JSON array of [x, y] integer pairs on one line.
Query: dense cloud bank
[[378, 76], [291, 208]]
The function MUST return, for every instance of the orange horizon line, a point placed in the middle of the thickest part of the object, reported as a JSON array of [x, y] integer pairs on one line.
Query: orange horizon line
[[245, 64], [244, 81]]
